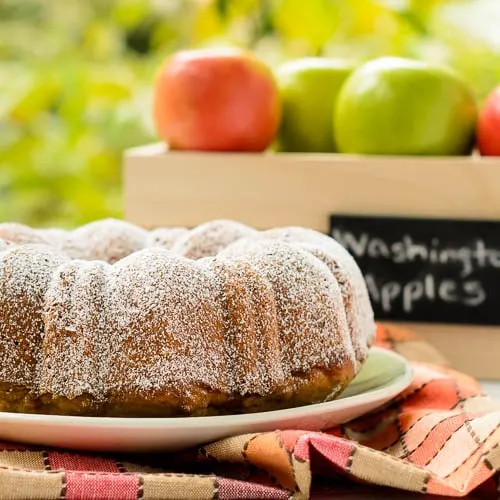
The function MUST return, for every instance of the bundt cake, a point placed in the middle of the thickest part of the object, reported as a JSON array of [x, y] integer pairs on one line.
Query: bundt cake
[[113, 320]]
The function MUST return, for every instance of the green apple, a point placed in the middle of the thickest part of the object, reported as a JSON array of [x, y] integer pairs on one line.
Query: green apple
[[397, 106], [309, 88]]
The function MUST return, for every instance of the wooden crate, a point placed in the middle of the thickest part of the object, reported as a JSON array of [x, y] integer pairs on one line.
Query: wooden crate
[[267, 190]]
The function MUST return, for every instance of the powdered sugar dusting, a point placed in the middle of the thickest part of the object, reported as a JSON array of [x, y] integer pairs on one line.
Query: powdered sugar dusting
[[25, 273], [308, 300], [54, 237], [252, 349], [74, 325], [210, 238], [136, 322], [21, 234], [165, 237], [109, 240], [166, 328], [347, 273]]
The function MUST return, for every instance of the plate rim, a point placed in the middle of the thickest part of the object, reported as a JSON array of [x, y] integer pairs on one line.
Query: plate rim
[[395, 386]]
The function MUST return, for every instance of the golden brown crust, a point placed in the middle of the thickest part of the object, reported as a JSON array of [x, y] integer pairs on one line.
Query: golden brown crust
[[301, 389]]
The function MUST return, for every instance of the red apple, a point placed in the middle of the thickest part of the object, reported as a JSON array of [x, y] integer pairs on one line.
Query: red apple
[[222, 99], [488, 128]]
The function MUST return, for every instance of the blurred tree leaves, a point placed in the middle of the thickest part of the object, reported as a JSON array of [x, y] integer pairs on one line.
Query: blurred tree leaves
[[314, 21], [76, 76]]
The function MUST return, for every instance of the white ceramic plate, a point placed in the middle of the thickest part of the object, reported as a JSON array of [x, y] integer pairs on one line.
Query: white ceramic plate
[[384, 375]]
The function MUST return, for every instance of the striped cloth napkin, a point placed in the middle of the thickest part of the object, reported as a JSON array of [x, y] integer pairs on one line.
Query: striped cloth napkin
[[441, 436]]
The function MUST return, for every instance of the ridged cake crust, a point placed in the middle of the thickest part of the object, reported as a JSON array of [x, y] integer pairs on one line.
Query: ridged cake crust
[[111, 319]]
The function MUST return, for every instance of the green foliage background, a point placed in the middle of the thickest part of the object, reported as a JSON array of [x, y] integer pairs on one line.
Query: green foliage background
[[75, 76]]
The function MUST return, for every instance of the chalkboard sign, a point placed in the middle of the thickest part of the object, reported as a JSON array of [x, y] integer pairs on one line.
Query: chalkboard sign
[[426, 270]]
